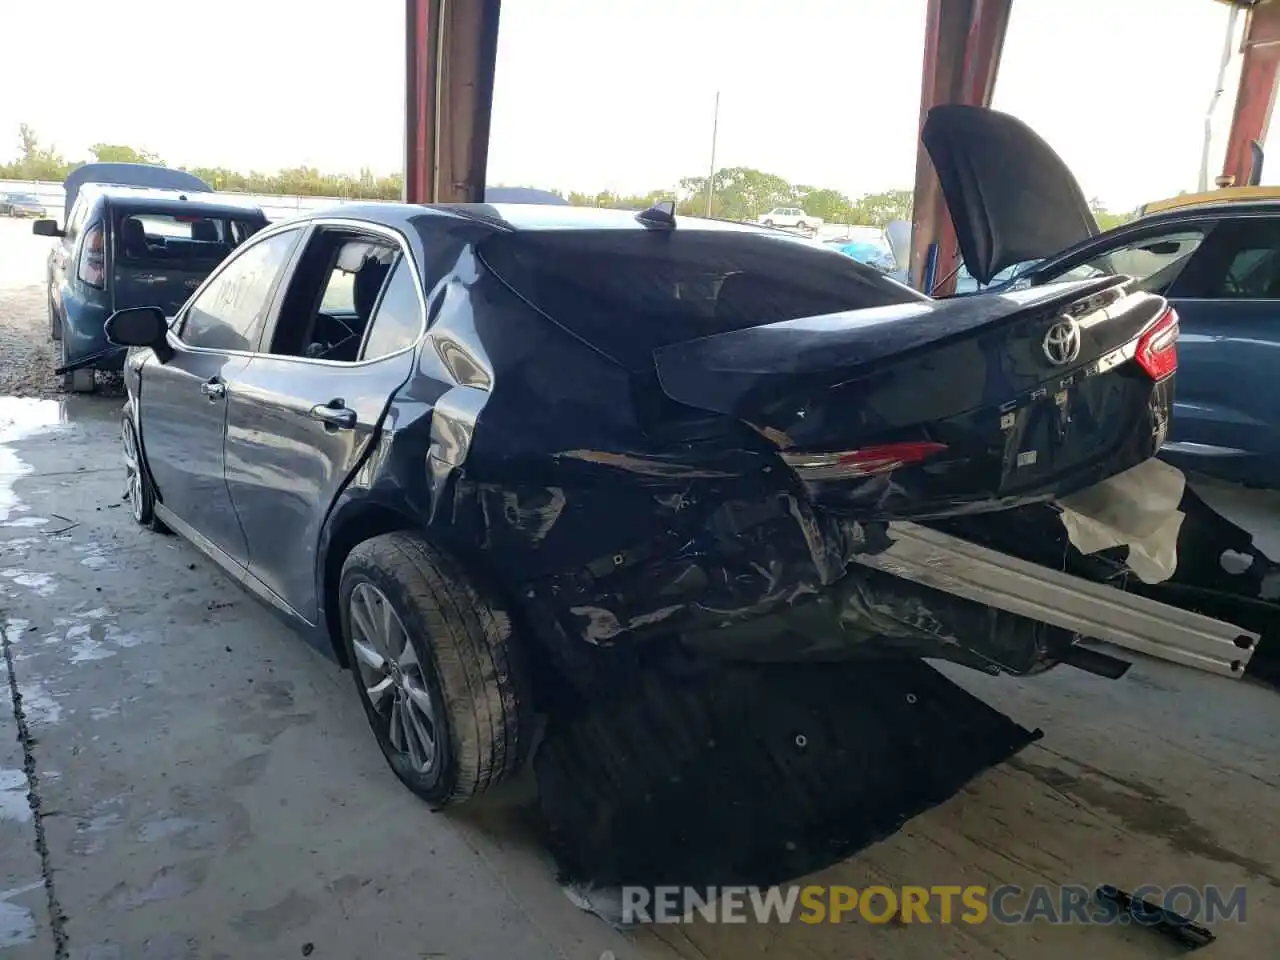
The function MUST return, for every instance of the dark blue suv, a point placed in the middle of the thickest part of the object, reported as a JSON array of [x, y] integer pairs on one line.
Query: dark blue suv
[[133, 235]]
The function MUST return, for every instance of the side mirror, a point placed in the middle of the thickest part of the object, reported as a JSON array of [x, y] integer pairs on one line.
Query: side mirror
[[46, 228], [139, 327]]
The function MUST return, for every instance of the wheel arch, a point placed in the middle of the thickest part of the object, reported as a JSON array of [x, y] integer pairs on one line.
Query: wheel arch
[[351, 523]]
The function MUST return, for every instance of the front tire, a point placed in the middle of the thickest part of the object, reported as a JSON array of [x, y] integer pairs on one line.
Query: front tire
[[55, 327], [138, 490], [436, 666]]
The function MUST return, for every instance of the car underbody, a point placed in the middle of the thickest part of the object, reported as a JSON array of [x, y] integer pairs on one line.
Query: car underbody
[[811, 587]]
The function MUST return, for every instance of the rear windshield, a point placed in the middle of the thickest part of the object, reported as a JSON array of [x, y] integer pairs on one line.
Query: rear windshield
[[629, 292], [148, 238]]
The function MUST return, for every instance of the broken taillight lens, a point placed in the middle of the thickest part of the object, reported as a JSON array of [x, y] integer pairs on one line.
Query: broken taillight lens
[[1158, 347], [864, 462], [92, 268]]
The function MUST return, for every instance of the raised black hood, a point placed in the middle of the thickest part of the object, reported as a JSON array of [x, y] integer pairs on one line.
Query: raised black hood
[[1011, 197]]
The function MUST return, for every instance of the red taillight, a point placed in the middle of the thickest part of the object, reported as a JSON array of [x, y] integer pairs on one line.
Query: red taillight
[[1158, 347], [865, 462], [92, 268]]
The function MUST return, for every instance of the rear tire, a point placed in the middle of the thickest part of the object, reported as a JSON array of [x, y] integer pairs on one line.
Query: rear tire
[[55, 327], [436, 663]]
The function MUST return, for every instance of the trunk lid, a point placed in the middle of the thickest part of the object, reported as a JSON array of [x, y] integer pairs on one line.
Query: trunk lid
[[935, 407], [160, 256], [1011, 197], [164, 285]]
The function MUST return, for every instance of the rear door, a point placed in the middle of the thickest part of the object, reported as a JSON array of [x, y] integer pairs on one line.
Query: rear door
[[1227, 423], [183, 401], [62, 255], [305, 411]]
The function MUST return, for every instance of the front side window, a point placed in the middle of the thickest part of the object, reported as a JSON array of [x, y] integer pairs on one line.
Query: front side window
[[1154, 259], [229, 313]]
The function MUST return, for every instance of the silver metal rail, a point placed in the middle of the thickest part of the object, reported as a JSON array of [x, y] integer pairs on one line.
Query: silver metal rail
[[1093, 610]]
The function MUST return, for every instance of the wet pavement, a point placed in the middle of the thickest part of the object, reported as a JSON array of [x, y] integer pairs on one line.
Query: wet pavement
[[182, 777]]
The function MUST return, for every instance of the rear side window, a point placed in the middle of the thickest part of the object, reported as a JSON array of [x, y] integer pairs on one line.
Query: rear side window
[[78, 214], [629, 292], [397, 320], [1239, 261]]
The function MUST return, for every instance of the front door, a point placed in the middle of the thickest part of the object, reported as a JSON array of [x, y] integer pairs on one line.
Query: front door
[[183, 401], [306, 410]]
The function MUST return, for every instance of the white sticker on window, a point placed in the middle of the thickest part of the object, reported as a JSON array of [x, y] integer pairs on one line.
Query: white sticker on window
[[1026, 458]]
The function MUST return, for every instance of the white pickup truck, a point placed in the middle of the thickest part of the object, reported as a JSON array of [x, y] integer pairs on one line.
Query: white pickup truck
[[792, 217]]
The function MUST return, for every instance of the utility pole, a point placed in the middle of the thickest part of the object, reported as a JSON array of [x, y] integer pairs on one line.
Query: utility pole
[[711, 177], [1228, 48]]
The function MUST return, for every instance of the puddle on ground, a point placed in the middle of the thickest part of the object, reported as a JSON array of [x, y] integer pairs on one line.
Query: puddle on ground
[[14, 805], [17, 923], [21, 417]]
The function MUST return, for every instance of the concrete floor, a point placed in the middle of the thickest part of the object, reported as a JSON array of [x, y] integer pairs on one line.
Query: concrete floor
[[205, 786]]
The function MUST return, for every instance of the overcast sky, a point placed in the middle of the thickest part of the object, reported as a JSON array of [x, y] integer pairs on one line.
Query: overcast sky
[[618, 94]]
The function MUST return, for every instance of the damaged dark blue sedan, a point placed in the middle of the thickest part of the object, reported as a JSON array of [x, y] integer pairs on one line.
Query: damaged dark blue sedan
[[468, 446]]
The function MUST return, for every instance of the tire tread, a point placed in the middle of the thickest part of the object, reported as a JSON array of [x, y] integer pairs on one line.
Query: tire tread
[[470, 638]]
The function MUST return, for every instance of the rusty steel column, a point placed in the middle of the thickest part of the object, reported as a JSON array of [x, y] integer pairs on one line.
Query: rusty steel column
[[962, 45], [1256, 94], [450, 49]]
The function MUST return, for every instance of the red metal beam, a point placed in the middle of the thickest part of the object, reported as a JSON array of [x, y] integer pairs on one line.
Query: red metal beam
[[962, 45], [1256, 94], [450, 50]]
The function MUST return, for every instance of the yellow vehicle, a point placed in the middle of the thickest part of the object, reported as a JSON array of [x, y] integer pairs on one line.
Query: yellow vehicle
[[1222, 195]]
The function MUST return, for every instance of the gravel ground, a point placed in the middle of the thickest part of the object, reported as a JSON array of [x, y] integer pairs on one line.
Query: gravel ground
[[27, 355]]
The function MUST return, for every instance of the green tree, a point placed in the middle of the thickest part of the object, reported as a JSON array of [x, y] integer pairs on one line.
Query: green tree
[[35, 161], [878, 209], [1106, 219], [119, 153], [831, 205]]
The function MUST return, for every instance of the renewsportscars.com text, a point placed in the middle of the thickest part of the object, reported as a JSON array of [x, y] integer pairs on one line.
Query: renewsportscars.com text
[[939, 903]]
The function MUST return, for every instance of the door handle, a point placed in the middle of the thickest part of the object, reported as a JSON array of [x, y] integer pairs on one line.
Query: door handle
[[335, 415], [214, 389]]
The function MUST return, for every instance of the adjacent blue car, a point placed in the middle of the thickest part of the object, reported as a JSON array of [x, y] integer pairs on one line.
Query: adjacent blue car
[[134, 235], [874, 253]]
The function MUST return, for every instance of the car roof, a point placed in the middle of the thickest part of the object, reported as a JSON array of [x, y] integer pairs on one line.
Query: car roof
[[522, 217], [143, 198], [1224, 195]]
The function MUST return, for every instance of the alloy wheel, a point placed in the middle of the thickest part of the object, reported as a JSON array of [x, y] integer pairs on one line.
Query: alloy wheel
[[132, 473], [392, 677]]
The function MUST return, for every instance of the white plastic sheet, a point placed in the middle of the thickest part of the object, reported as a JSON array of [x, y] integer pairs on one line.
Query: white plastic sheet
[[1137, 509]]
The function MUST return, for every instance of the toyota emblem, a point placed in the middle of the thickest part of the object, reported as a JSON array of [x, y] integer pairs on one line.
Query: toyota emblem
[[1062, 343]]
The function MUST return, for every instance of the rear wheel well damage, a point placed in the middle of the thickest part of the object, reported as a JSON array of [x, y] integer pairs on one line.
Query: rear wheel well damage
[[352, 529]]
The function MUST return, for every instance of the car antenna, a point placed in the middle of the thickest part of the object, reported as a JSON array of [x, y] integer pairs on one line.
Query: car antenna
[[660, 216]]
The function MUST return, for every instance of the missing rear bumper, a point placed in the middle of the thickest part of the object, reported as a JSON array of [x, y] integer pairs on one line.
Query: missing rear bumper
[[1093, 610]]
